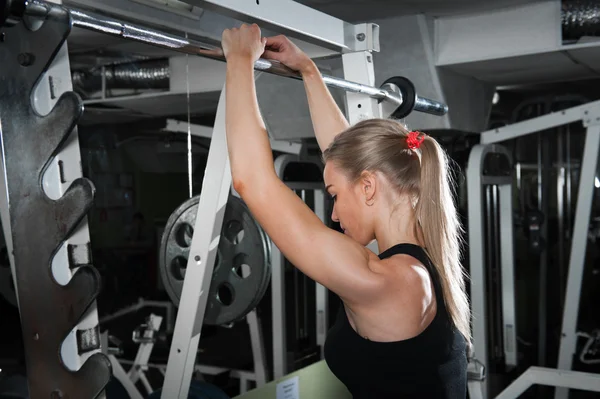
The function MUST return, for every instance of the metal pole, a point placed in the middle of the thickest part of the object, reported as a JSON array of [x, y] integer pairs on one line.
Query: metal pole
[[560, 206], [589, 164], [543, 277], [114, 27]]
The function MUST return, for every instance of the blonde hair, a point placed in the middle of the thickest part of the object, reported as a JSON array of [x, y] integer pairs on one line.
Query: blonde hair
[[381, 145]]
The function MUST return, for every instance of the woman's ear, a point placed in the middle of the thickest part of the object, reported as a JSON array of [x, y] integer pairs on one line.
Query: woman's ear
[[368, 187]]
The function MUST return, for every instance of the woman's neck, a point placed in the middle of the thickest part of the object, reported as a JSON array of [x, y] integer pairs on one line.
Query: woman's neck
[[396, 227]]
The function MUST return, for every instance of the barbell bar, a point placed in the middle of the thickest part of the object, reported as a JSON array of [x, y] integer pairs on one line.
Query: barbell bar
[[114, 27]]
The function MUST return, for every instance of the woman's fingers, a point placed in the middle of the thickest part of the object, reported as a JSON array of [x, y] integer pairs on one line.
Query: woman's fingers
[[272, 55]]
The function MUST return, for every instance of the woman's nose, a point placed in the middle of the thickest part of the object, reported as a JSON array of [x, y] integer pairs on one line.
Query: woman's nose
[[334, 216]]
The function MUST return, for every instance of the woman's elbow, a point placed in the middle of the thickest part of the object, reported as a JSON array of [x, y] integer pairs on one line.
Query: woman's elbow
[[239, 185], [251, 187]]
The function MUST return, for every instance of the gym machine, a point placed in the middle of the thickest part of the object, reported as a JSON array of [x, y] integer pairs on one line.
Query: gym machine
[[44, 210], [490, 165], [145, 335]]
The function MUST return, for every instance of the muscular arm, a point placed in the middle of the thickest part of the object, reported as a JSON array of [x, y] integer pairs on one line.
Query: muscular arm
[[330, 258], [327, 118], [247, 140]]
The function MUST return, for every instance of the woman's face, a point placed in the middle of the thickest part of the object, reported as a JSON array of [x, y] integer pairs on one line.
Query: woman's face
[[349, 205]]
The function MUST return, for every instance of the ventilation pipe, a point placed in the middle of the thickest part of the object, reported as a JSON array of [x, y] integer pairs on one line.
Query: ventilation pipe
[[146, 74], [580, 18]]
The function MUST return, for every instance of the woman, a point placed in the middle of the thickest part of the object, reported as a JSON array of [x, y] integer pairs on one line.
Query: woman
[[405, 320]]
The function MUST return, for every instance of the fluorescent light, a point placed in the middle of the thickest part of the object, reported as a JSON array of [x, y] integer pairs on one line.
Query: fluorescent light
[[597, 183]]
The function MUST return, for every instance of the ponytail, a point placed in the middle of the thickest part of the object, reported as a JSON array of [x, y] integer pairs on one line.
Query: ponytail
[[440, 227]]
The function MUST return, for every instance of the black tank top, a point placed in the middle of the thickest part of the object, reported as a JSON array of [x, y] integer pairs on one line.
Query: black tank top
[[431, 365]]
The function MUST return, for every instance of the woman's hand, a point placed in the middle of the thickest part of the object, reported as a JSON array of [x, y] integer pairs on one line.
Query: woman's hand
[[244, 42], [281, 49]]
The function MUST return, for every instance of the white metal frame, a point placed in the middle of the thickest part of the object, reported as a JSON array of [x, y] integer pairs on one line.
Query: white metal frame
[[205, 241], [297, 20], [138, 366], [359, 68], [562, 377], [137, 371], [259, 374], [475, 183]]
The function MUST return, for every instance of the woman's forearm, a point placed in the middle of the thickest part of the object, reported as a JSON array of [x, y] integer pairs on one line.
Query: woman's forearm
[[327, 118], [247, 139]]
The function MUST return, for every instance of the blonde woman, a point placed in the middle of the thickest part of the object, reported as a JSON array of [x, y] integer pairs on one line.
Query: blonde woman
[[404, 326]]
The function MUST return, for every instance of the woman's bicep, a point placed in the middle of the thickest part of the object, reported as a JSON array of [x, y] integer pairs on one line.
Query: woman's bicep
[[325, 255]]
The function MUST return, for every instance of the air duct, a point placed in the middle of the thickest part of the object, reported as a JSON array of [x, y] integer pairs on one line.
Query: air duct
[[139, 75], [580, 18]]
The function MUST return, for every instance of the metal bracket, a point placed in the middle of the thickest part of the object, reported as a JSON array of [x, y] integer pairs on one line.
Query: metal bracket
[[365, 37], [591, 116], [40, 225], [475, 370]]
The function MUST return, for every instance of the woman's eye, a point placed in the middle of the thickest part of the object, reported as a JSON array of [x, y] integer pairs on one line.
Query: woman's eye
[[334, 197]]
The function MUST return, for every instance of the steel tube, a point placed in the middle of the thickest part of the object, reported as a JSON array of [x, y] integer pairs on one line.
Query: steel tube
[[428, 106], [110, 26]]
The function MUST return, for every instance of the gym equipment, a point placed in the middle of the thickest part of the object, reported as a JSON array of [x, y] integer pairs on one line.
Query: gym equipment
[[242, 269], [535, 220], [43, 228], [114, 27], [150, 334], [561, 377], [408, 92], [489, 185], [590, 353]]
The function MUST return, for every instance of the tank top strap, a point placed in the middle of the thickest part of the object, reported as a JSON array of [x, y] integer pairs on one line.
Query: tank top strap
[[409, 249]]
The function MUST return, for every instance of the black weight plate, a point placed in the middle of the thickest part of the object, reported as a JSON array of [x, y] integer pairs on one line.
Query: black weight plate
[[242, 268], [409, 96], [267, 276]]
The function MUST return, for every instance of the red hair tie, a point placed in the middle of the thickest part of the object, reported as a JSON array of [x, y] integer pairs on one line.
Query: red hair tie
[[413, 141]]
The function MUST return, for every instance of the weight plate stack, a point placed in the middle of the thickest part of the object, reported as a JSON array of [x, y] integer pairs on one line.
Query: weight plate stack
[[242, 267]]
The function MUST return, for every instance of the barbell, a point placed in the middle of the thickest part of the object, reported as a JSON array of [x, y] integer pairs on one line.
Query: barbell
[[402, 96]]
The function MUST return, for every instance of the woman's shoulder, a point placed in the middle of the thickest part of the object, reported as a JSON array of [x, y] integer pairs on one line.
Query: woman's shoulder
[[408, 288], [402, 269]]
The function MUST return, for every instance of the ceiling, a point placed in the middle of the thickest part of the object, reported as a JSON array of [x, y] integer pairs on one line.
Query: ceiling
[[90, 48], [363, 10]]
